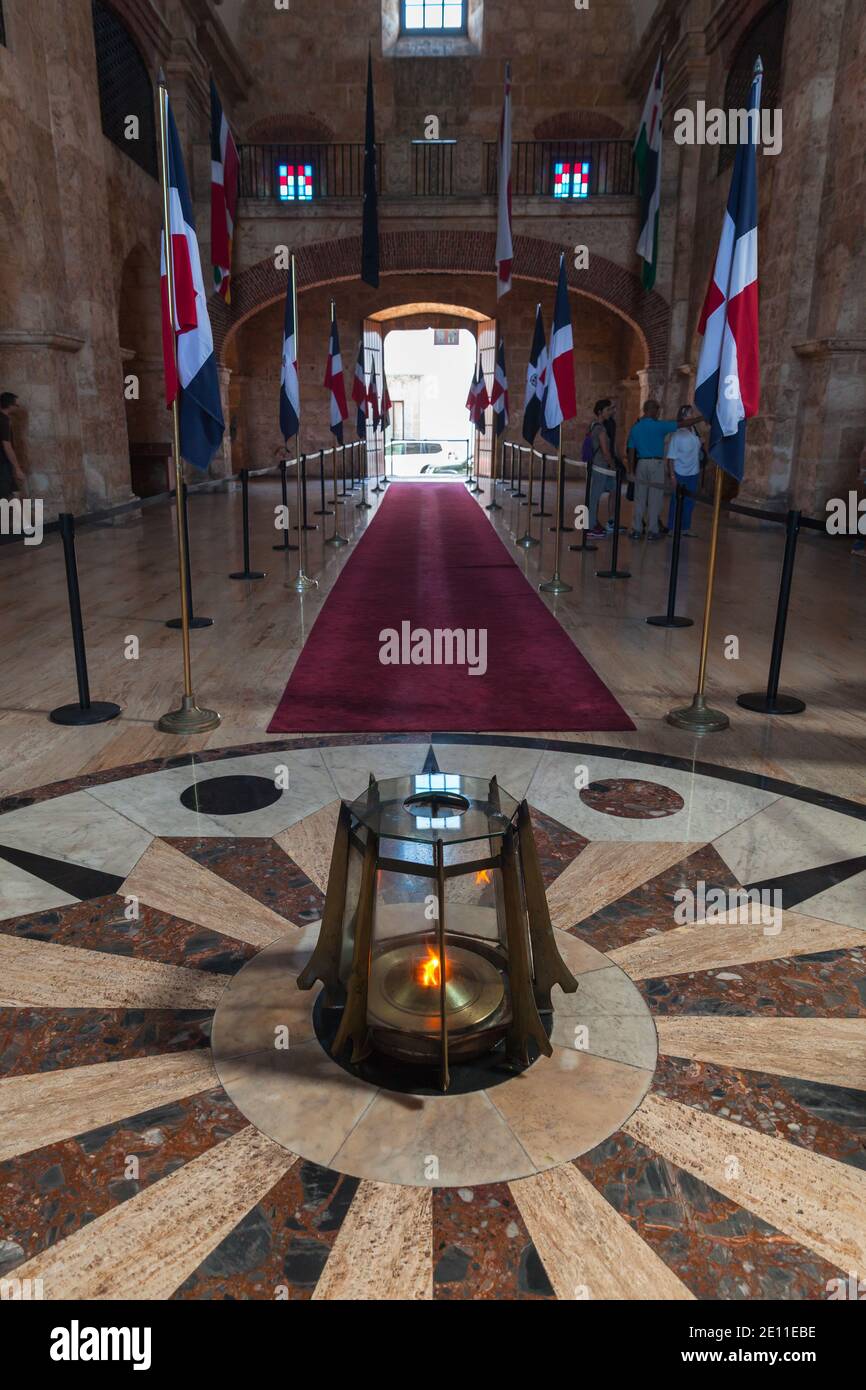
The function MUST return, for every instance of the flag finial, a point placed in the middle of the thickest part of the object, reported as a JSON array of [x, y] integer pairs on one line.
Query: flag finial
[[759, 67], [160, 79]]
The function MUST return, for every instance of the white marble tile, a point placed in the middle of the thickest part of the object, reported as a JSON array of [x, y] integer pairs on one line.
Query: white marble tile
[[350, 766], [599, 993], [514, 767], [22, 893], [711, 806], [845, 904], [79, 829], [153, 800], [788, 837], [629, 1038]]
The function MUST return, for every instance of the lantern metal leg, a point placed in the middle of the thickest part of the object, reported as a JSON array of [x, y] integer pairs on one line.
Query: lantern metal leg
[[324, 963], [548, 967], [353, 1025], [439, 861], [525, 1023]]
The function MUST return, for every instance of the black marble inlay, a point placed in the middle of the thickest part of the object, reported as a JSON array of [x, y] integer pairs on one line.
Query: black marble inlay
[[409, 1080], [807, 883], [230, 796], [430, 763], [77, 880]]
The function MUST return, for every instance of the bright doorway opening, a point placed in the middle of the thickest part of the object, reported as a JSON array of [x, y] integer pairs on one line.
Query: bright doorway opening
[[429, 371]]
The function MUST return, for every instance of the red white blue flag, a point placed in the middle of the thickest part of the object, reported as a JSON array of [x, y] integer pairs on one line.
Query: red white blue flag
[[334, 385], [373, 398], [504, 242], [728, 388], [187, 340], [385, 419], [536, 375], [560, 402], [359, 393], [480, 400], [499, 396], [225, 166], [290, 391]]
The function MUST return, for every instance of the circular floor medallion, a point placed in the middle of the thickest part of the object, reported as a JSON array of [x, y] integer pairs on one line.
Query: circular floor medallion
[[271, 1061], [631, 799]]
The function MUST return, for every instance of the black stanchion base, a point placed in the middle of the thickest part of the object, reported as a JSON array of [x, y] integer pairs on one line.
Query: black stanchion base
[[493, 507], [781, 704], [99, 712], [367, 506], [519, 495], [284, 547], [613, 574], [543, 514], [176, 623], [326, 512], [307, 527], [584, 545], [662, 620], [248, 574], [563, 529]]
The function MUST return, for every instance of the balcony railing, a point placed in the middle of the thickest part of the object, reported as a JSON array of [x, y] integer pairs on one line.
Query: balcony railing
[[567, 169], [303, 172], [433, 168]]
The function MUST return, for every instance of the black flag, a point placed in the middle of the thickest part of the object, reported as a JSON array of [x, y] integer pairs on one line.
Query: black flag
[[370, 232], [536, 370]]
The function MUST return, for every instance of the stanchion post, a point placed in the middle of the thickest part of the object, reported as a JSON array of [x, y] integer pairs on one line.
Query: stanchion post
[[86, 711], [556, 584], [362, 470], [246, 572], [323, 510], [584, 543], [614, 572], [770, 701], [493, 505], [518, 491], [560, 505], [527, 540], [670, 619], [336, 539], [541, 511], [285, 543], [307, 525]]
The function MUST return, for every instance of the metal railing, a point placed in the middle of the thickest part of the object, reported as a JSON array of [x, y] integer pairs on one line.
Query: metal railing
[[327, 170], [432, 168], [566, 170]]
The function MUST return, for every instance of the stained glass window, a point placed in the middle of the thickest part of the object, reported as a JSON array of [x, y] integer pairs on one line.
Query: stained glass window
[[295, 183], [434, 16], [571, 178]]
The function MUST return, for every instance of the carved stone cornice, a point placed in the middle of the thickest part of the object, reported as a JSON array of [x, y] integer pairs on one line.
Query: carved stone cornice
[[829, 347], [41, 338]]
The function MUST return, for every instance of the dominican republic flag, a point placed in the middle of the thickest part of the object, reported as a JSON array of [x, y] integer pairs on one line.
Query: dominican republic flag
[[386, 404], [334, 385], [559, 399], [728, 385], [224, 166], [359, 393], [373, 398], [370, 221], [479, 400], [187, 340], [499, 397], [290, 391], [504, 244], [648, 158], [536, 372]]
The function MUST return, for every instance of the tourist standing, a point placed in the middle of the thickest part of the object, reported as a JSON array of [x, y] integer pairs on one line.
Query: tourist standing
[[684, 466], [605, 474], [646, 456]]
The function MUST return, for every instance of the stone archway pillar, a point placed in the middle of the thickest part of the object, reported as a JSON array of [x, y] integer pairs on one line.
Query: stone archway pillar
[[652, 385], [221, 464]]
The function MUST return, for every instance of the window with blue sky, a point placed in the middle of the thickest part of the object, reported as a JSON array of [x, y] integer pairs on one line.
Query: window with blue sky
[[433, 16]]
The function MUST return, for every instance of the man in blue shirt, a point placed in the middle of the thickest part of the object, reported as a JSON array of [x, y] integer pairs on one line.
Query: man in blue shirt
[[646, 458]]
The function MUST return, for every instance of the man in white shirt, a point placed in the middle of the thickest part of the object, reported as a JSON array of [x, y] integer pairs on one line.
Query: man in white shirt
[[683, 456]]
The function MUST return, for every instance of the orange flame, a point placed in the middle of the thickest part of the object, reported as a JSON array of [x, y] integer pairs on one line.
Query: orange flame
[[483, 876], [428, 970]]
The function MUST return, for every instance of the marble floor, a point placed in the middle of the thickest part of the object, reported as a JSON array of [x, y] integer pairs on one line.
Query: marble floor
[[242, 663], [706, 1139]]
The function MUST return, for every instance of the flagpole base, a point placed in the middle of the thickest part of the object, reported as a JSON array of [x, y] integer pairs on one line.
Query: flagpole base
[[527, 541], [189, 719], [336, 539], [698, 718], [302, 583], [779, 704], [556, 585]]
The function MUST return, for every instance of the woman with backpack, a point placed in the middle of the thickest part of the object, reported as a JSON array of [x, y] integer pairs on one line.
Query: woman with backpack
[[598, 451]]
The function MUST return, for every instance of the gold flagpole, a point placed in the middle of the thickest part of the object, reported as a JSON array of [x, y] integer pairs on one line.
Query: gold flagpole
[[698, 717], [557, 584], [189, 718], [302, 582]]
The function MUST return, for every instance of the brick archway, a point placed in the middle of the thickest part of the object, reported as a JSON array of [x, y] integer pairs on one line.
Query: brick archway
[[455, 252]]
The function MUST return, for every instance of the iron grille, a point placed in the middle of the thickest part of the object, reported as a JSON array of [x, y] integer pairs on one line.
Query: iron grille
[[2, 25], [765, 40], [125, 88]]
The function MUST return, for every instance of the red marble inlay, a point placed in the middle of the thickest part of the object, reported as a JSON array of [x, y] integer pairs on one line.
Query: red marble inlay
[[829, 985], [260, 868], [631, 799], [51, 1039], [481, 1247]]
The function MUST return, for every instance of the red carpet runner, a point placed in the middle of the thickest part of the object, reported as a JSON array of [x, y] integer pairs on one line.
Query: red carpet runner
[[432, 559]]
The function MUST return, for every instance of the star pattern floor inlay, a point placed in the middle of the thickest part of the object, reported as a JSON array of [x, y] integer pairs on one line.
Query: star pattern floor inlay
[[705, 1139]]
